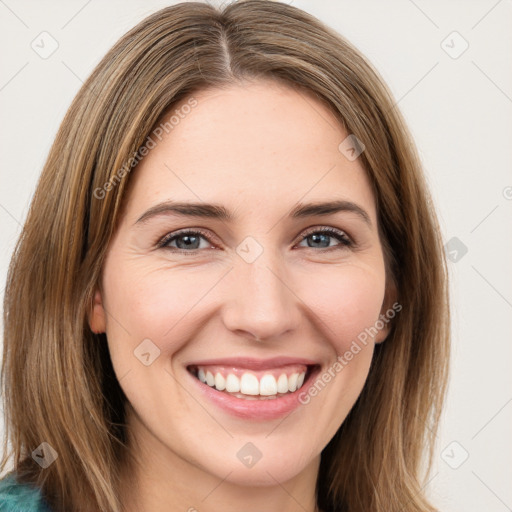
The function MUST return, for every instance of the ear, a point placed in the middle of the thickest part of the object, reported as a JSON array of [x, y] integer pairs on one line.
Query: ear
[[389, 310], [97, 314]]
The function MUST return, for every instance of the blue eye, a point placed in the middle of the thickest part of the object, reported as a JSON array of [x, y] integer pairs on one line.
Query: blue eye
[[321, 236], [186, 241], [189, 241]]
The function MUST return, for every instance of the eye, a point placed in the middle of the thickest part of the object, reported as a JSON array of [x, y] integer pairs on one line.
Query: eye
[[186, 241], [319, 238]]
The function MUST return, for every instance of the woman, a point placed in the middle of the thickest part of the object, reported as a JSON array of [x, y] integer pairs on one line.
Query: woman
[[230, 291]]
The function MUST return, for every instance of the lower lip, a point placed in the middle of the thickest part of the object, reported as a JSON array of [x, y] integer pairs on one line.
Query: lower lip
[[263, 410]]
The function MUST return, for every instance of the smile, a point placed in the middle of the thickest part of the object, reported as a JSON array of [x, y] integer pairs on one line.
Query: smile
[[250, 384], [255, 389]]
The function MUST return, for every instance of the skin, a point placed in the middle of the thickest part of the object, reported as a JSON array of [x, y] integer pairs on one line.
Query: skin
[[257, 148]]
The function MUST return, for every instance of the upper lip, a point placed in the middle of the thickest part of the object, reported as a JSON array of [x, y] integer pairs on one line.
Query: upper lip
[[250, 363]]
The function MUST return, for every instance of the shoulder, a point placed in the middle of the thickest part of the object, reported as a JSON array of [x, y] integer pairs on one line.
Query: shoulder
[[19, 497]]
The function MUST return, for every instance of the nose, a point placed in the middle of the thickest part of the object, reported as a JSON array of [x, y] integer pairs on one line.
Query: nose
[[259, 299]]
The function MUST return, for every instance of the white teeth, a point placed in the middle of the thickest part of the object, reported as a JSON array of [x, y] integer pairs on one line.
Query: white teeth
[[210, 379], [220, 382], [292, 382], [268, 385], [249, 384], [232, 384], [282, 383]]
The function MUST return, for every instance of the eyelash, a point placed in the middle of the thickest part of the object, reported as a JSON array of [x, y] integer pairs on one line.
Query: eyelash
[[342, 237]]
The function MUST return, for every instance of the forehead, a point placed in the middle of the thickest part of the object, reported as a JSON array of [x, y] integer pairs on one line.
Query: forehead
[[254, 146]]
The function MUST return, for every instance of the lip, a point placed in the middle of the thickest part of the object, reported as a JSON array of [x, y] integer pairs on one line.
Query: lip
[[256, 410], [249, 363]]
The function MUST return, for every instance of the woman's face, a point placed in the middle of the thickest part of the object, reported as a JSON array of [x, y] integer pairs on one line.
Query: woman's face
[[258, 299]]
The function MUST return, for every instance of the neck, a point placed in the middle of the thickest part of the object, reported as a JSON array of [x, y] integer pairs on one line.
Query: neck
[[156, 479]]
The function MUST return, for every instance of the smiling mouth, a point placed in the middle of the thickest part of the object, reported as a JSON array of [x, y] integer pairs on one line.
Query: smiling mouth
[[253, 385]]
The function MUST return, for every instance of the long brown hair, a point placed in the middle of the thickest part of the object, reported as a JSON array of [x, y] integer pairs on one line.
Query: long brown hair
[[58, 383]]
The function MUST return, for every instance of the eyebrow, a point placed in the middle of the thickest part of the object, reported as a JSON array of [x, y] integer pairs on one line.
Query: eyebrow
[[219, 212]]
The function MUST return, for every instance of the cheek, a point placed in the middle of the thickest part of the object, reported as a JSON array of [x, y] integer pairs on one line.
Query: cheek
[[155, 302], [166, 298], [346, 301]]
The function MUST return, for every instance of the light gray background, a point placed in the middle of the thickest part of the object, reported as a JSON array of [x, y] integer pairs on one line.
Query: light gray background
[[459, 111]]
